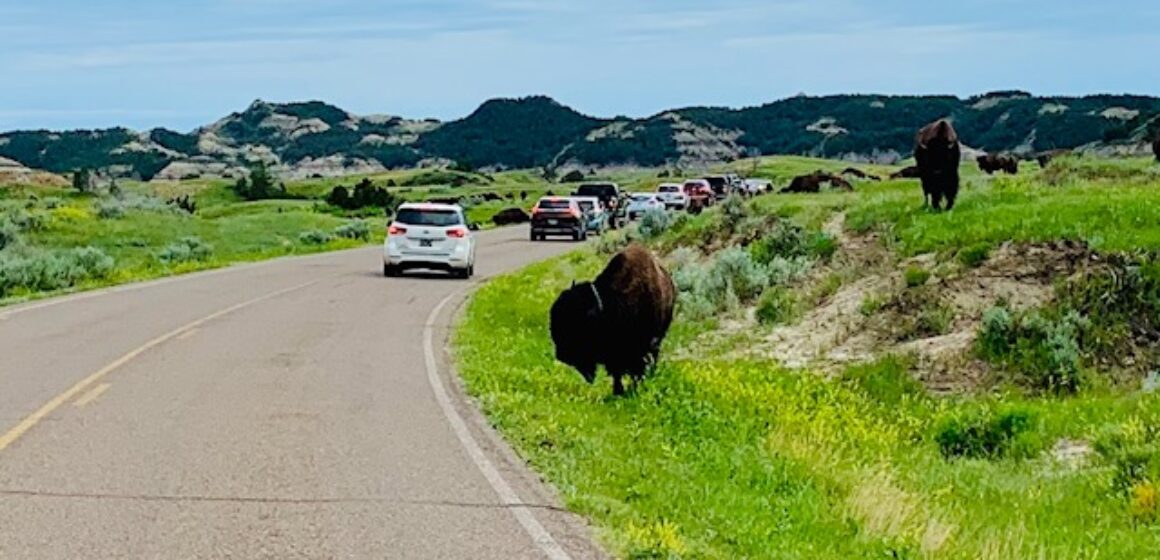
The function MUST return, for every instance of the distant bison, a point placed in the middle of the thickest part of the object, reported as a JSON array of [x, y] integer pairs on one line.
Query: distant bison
[[1044, 158], [1156, 148], [491, 197], [855, 172], [906, 173], [509, 216], [990, 163], [619, 320], [937, 152], [444, 200], [812, 183]]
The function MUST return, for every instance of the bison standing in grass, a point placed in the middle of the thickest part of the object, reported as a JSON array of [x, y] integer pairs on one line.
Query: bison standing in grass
[[619, 320], [990, 163], [937, 152], [1156, 148]]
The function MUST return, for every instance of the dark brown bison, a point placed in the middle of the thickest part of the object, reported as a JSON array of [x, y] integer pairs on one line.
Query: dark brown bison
[[812, 183], [906, 173], [1156, 148], [509, 216], [619, 320], [937, 153], [855, 172], [1044, 158], [491, 197], [990, 163]]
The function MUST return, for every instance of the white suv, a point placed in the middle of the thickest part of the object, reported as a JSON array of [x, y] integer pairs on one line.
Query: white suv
[[429, 236], [673, 196]]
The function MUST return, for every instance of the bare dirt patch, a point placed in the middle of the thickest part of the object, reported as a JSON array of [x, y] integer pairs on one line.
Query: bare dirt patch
[[875, 313]]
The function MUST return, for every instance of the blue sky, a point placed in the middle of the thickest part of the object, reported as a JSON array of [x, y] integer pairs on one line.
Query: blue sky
[[86, 63]]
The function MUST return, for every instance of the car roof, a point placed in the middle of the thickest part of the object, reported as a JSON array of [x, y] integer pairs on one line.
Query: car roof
[[556, 199], [678, 185], [595, 199], [430, 206], [644, 194]]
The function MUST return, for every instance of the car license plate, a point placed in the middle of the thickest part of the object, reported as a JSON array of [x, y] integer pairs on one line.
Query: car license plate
[[553, 222], [424, 242]]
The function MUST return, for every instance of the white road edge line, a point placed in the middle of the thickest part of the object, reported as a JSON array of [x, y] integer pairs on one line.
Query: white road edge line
[[507, 496]]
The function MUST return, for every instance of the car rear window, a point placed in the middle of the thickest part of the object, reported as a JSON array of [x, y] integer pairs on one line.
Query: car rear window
[[428, 217], [596, 190], [586, 205], [668, 188], [554, 204]]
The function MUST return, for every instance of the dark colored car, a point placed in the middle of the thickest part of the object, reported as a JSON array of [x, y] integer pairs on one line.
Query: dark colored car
[[558, 216], [610, 196], [719, 184]]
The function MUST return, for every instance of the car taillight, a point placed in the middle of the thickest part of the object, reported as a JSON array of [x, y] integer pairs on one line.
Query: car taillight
[[457, 233], [396, 230]]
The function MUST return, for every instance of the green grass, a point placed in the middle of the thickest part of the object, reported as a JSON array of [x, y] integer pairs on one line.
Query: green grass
[[721, 457], [728, 459]]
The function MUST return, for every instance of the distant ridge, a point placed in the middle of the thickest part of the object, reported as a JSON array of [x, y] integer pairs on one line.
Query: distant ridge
[[317, 139]]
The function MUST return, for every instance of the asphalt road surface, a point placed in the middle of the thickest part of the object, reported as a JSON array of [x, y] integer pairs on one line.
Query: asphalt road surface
[[299, 408]]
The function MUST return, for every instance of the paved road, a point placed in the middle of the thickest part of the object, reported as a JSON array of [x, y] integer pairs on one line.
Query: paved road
[[280, 410]]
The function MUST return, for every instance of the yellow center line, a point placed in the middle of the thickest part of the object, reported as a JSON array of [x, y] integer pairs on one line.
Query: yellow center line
[[92, 395], [33, 419]]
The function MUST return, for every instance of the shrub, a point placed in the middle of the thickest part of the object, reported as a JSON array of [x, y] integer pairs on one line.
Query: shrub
[[1042, 347], [39, 270], [110, 209], [739, 273], [734, 210], [785, 270], [9, 233], [614, 242], [823, 245], [186, 249], [786, 239], [987, 434], [51, 203], [654, 223], [777, 305], [24, 220], [871, 305], [355, 229], [315, 237], [974, 255], [916, 276]]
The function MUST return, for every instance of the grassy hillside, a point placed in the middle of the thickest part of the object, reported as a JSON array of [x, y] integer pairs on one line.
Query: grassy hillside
[[852, 376]]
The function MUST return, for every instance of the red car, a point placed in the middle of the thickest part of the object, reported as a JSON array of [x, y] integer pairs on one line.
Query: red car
[[700, 195]]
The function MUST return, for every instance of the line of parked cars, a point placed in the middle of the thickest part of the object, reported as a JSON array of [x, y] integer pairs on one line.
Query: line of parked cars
[[598, 207]]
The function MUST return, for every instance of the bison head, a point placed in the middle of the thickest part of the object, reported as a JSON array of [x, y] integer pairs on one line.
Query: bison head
[[575, 326]]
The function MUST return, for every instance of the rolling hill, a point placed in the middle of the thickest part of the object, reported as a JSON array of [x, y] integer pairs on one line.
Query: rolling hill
[[315, 139]]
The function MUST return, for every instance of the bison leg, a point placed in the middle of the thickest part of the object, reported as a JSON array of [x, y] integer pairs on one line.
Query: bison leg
[[617, 384]]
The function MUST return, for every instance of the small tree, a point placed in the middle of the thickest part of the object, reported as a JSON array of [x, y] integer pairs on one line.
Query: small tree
[[260, 185]]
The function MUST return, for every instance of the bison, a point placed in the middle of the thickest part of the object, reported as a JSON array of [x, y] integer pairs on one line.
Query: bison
[[509, 216], [812, 183], [619, 320], [1044, 158], [937, 152], [1156, 148], [855, 172], [990, 163], [906, 173]]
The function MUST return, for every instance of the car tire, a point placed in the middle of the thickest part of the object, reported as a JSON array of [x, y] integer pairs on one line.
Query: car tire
[[390, 271]]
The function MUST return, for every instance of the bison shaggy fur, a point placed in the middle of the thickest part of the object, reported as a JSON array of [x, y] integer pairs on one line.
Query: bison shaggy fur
[[937, 152], [906, 173], [990, 163], [812, 183], [618, 321], [509, 216]]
